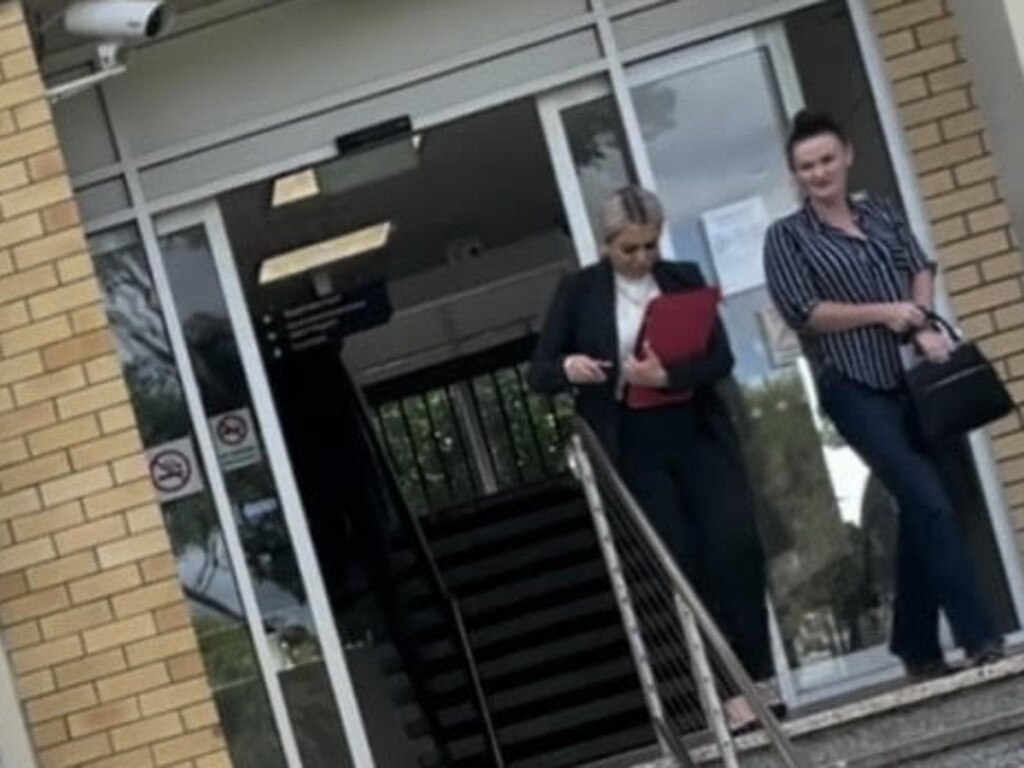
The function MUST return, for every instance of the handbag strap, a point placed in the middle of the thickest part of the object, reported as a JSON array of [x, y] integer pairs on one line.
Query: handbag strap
[[943, 325]]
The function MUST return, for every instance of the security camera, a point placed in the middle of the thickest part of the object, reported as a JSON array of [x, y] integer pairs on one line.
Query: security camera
[[117, 19]]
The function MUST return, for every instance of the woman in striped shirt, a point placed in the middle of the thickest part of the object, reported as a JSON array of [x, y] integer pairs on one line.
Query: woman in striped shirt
[[851, 278]]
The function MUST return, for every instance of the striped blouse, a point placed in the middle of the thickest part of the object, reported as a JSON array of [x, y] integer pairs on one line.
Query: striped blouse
[[808, 261]]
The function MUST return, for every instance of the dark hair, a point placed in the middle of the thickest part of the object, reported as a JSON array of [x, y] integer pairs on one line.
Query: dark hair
[[807, 124]]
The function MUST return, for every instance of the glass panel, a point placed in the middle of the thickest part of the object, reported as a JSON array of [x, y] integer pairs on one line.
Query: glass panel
[[715, 135], [250, 485], [599, 151], [197, 542]]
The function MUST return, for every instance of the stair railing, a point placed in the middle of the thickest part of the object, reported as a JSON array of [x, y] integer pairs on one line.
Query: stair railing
[[683, 661]]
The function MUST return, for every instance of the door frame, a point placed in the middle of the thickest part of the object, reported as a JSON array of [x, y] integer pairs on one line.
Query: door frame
[[207, 214], [15, 747]]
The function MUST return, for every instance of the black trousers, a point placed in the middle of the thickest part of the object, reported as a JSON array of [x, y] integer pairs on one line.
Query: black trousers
[[696, 493]]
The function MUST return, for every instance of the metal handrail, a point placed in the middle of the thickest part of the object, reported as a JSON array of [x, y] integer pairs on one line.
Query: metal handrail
[[586, 453], [451, 602]]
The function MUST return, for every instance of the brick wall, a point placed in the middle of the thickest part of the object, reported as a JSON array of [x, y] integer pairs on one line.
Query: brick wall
[[99, 636], [959, 177]]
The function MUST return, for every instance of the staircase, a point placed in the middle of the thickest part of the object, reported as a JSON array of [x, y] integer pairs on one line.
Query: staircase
[[544, 630]]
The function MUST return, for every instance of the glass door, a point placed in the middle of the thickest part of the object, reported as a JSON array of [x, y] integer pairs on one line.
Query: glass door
[[244, 556], [705, 127]]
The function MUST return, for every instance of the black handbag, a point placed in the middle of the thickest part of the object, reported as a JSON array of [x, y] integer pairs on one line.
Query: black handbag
[[959, 395]]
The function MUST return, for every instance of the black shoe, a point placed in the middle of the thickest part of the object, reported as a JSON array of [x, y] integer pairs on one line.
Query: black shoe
[[988, 653], [920, 671]]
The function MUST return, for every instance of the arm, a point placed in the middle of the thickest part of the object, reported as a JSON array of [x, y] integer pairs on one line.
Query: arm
[[547, 368], [713, 365]]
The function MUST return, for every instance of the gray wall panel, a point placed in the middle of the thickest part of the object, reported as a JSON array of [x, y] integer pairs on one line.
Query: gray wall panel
[[84, 132], [102, 199]]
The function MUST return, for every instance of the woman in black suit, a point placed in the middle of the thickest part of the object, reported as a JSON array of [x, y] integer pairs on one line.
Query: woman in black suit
[[682, 462]]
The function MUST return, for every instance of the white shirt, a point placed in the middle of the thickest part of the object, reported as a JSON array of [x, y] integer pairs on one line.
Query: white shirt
[[632, 295]]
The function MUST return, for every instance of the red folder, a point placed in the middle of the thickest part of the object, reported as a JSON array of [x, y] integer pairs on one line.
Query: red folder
[[678, 327]]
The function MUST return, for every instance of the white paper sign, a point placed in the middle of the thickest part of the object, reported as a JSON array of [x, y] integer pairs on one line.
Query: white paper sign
[[735, 234], [234, 436], [174, 470]]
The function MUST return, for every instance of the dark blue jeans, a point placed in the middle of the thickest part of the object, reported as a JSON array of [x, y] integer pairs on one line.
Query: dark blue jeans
[[933, 567]]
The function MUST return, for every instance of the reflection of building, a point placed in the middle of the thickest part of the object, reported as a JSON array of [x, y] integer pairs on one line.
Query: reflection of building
[[520, 127]]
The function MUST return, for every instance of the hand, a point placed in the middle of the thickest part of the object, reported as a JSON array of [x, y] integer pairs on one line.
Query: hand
[[903, 316], [933, 345], [583, 369], [647, 371]]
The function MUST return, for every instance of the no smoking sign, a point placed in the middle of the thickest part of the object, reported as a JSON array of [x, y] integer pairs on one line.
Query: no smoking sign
[[174, 470], [234, 436]]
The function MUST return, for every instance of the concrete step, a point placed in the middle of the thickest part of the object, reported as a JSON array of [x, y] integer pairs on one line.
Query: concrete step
[[974, 718]]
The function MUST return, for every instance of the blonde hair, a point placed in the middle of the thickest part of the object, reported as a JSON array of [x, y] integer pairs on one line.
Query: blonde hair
[[629, 205]]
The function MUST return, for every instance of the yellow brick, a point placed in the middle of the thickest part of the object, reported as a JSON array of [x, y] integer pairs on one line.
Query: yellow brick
[[147, 598], [147, 731], [103, 718], [50, 248], [35, 684], [14, 585], [977, 170], [938, 183], [64, 435], [133, 682], [83, 293], [906, 91], [158, 568], [19, 503], [28, 283], [133, 549], [47, 734], [62, 570], [25, 420], [28, 143], [13, 315], [897, 43], [992, 295], [949, 78], [62, 703], [173, 617], [15, 65], [192, 745], [215, 760], [908, 15], [61, 216], [119, 499], [921, 61], [974, 249], [6, 399], [105, 584], [91, 534], [144, 518], [961, 201], [989, 218], [13, 451], [117, 418], [36, 335], [33, 472], [103, 368], [1009, 446], [34, 196], [139, 758], [47, 165], [13, 175], [10, 14], [20, 91], [89, 319], [1009, 317], [33, 114], [106, 449], [963, 125], [21, 229], [999, 267], [93, 398], [937, 31], [924, 136], [76, 267], [200, 716], [947, 155], [77, 485], [119, 633], [14, 38], [89, 668], [47, 521], [48, 385], [934, 108], [23, 636], [34, 605], [46, 654], [961, 279], [24, 555], [162, 647], [20, 368], [188, 666], [1003, 344], [75, 619], [75, 753], [130, 469], [174, 697]]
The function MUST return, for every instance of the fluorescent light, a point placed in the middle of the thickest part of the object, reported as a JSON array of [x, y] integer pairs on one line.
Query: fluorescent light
[[294, 187], [325, 252]]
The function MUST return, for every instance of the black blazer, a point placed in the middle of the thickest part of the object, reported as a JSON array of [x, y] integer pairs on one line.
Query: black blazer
[[581, 320]]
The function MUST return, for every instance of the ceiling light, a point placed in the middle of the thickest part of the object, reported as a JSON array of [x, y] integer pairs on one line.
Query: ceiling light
[[294, 187], [325, 252]]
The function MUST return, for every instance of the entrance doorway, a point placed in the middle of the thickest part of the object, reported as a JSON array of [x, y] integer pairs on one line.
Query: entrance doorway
[[705, 127]]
